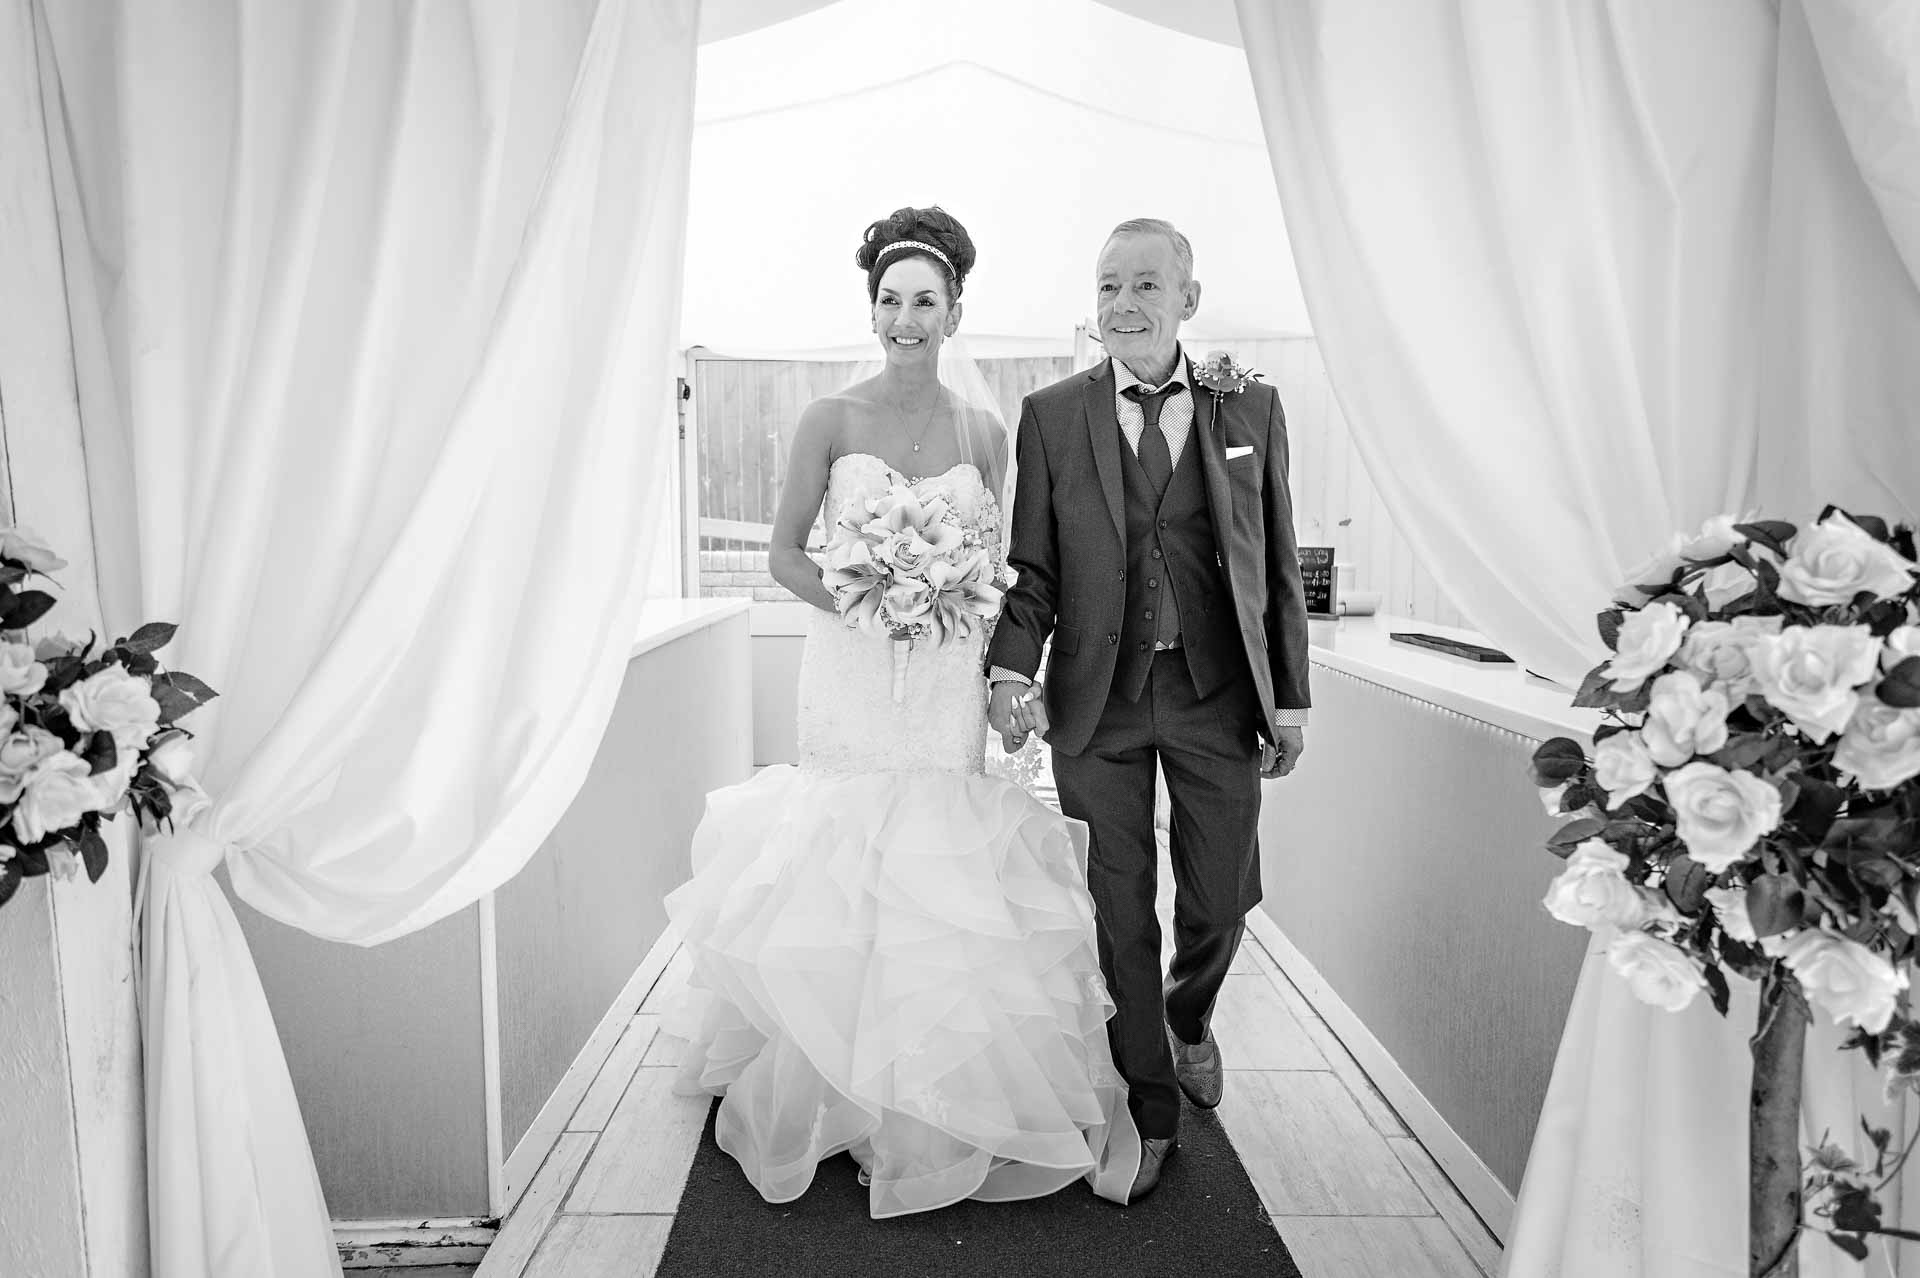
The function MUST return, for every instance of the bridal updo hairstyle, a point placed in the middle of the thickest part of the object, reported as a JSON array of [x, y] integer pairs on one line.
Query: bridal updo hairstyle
[[933, 226]]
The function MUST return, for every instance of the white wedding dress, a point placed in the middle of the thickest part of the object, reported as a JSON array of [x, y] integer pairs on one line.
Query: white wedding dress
[[893, 953]]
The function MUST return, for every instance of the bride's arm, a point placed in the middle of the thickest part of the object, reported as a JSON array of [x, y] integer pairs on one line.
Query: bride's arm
[[800, 497]]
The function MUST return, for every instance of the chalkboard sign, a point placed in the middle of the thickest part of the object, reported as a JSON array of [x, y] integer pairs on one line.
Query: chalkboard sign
[[1317, 575]]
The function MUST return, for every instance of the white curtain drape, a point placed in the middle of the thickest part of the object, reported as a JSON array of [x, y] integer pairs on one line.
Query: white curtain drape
[[374, 311], [1587, 274], [1584, 275]]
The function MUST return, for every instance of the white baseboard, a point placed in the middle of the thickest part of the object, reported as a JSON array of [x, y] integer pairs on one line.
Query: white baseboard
[[532, 1148], [1475, 1181], [390, 1244]]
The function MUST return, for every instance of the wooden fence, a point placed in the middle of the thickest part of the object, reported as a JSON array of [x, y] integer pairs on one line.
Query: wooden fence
[[744, 412]]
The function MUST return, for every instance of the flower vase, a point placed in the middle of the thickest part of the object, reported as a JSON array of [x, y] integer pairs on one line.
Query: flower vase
[[1773, 1129], [902, 650]]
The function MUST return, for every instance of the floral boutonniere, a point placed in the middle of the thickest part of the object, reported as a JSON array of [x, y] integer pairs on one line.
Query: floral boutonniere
[[1222, 375]]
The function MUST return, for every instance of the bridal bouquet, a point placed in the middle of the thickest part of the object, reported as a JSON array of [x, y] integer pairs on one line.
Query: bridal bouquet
[[84, 736], [900, 564], [1752, 804]]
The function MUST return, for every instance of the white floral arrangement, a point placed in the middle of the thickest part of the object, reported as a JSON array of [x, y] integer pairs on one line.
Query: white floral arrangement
[[84, 736], [902, 565], [1752, 802]]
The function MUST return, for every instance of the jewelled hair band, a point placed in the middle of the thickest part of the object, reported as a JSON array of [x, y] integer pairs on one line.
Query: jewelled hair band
[[901, 246]]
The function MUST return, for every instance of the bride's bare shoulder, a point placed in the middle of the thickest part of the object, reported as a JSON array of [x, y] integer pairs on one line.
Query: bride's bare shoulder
[[850, 406]]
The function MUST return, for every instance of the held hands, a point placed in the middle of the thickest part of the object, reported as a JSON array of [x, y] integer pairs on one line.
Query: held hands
[[1278, 762], [1015, 711]]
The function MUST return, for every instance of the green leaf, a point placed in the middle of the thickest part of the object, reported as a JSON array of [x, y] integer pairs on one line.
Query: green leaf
[[1854, 1210], [1815, 806], [180, 694], [1853, 1244], [140, 663], [101, 753], [9, 881], [1686, 885], [1556, 761], [1596, 690], [1901, 686], [1717, 988], [1879, 871], [1869, 832], [151, 637], [1875, 526], [1610, 628], [1775, 903], [1742, 751], [1574, 833], [93, 852], [1774, 534], [26, 608]]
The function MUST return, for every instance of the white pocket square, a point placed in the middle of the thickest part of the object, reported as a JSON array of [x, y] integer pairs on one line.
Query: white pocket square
[[1243, 450]]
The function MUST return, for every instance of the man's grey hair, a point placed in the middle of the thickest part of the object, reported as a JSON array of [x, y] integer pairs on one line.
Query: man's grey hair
[[1182, 247]]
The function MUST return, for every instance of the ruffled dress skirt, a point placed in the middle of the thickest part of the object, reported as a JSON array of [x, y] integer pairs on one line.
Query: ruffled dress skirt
[[899, 965]]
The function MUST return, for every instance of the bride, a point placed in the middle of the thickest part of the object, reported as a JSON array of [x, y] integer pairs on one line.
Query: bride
[[893, 953]]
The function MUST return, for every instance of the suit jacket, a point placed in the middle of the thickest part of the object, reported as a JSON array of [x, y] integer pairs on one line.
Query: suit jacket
[[1069, 546]]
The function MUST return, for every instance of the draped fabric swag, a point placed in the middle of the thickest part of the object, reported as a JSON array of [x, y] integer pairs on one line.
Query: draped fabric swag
[[1583, 276], [374, 310]]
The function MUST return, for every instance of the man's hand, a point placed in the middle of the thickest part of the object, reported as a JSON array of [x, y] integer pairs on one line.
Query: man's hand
[[1015, 711], [1276, 762]]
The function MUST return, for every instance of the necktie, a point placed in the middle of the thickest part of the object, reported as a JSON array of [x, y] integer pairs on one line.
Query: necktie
[[1155, 457]]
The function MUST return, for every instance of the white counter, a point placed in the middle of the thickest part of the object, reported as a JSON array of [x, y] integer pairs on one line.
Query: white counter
[[1499, 694], [664, 620]]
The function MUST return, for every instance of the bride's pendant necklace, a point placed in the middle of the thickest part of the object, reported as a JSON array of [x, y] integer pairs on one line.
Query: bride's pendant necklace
[[921, 434]]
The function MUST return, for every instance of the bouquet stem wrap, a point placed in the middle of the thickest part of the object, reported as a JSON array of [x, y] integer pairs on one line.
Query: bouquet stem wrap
[[902, 653]]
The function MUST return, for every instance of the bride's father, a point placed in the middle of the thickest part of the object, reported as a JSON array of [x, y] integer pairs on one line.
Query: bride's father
[[1153, 537]]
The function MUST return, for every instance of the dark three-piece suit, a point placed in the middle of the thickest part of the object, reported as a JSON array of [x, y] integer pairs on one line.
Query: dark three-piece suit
[[1172, 595]]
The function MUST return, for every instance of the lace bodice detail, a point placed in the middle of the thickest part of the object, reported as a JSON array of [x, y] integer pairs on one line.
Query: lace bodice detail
[[848, 719]]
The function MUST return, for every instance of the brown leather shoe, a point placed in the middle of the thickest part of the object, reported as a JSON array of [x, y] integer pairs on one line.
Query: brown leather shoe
[[1197, 1067], [1154, 1151]]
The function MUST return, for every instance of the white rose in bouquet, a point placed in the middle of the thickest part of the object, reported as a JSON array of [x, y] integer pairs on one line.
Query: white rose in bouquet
[[1845, 979], [1622, 767], [1836, 559], [1647, 639], [21, 674], [58, 792], [26, 548], [1901, 644], [18, 755], [1724, 583], [1721, 652], [1881, 746], [1719, 814], [1730, 907], [1715, 538], [1684, 719], [110, 787], [1812, 673], [172, 758], [1657, 971], [1593, 890], [111, 700]]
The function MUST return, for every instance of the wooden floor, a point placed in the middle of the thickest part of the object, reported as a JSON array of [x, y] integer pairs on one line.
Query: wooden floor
[[1352, 1193]]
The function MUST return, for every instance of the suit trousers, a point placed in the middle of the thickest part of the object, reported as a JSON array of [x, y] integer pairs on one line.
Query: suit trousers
[[1206, 747]]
